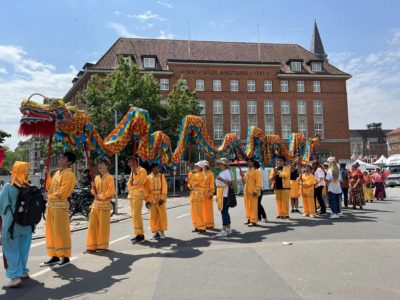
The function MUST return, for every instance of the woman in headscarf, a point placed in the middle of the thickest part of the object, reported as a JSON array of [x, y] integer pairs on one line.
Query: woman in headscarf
[[379, 179], [356, 187], [334, 188], [368, 194], [16, 249]]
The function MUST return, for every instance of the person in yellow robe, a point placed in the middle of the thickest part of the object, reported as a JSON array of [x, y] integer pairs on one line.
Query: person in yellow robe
[[196, 184], [99, 221], [294, 189], [307, 182], [252, 181], [280, 178], [58, 233], [208, 210], [157, 190], [136, 195]]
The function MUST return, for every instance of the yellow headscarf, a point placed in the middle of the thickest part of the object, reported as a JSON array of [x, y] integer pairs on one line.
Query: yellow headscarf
[[18, 172]]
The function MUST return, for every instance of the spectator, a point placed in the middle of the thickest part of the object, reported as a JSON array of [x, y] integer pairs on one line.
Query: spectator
[[368, 193], [319, 174], [344, 173], [334, 188], [379, 179], [356, 187]]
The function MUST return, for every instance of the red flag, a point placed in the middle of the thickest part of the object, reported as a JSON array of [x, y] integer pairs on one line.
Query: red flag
[[2, 154]]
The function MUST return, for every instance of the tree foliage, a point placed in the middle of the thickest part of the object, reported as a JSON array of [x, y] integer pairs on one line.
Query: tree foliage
[[3, 136], [21, 153]]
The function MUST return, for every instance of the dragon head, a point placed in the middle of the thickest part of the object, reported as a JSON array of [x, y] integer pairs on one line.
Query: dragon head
[[42, 120]]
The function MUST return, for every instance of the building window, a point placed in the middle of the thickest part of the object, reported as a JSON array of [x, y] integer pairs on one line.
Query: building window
[[316, 67], [301, 107], [164, 84], [199, 85], [218, 120], [149, 62], [269, 116], [234, 85], [251, 85], [184, 85], [284, 86], [300, 86], [183, 168], [318, 108], [295, 66], [217, 87], [251, 113], [316, 86], [235, 117], [202, 106], [285, 107], [268, 86], [285, 131], [302, 124]]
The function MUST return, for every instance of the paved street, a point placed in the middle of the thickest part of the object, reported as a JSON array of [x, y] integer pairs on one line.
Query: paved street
[[355, 257]]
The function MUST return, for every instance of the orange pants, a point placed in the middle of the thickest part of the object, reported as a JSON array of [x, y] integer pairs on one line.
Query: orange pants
[[158, 218], [251, 205], [99, 226], [208, 212], [136, 211], [58, 233], [282, 202], [197, 215], [308, 205]]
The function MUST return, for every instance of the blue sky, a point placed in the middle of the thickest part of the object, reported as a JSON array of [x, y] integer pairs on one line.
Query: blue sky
[[44, 43]]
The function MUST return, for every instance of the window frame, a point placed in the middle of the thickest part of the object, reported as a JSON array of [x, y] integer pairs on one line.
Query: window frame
[[284, 84], [215, 85], [251, 85], [197, 85], [147, 65], [162, 83], [268, 86], [231, 85], [316, 87]]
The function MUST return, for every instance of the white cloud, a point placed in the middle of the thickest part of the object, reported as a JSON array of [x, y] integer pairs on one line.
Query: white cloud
[[147, 16], [166, 4], [121, 30], [164, 35], [28, 76], [3, 70], [117, 13], [373, 93]]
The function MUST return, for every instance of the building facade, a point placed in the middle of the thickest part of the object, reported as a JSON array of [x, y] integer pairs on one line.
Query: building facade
[[281, 88], [393, 140]]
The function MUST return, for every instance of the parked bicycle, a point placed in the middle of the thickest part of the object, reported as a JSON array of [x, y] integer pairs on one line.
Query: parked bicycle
[[81, 201]]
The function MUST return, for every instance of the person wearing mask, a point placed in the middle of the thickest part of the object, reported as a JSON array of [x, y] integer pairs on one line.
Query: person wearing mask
[[58, 232], [307, 183], [356, 187], [280, 178], [209, 189], [367, 186], [196, 184], [15, 248], [344, 184], [294, 189], [252, 182], [262, 216], [379, 179], [99, 219], [222, 182], [319, 174], [137, 195], [334, 188], [157, 189]]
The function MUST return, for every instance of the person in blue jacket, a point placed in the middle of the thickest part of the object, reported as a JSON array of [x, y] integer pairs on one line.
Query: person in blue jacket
[[15, 250]]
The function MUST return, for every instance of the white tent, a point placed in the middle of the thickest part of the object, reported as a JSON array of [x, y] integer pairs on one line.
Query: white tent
[[365, 166], [381, 160], [393, 160]]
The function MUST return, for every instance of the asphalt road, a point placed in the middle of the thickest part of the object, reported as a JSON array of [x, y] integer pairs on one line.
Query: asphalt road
[[355, 257]]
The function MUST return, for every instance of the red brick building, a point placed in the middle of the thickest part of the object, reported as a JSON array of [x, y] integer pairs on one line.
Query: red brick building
[[393, 139], [281, 88]]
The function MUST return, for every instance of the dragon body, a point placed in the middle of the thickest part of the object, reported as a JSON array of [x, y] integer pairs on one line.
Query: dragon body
[[74, 128]]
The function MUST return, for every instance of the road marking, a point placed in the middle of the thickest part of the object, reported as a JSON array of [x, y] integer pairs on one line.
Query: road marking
[[180, 217], [48, 269], [120, 239]]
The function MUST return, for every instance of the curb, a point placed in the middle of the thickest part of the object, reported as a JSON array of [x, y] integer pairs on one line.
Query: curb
[[112, 221]]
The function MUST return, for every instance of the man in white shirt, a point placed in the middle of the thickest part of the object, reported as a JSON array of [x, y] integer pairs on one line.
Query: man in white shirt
[[222, 182], [319, 175]]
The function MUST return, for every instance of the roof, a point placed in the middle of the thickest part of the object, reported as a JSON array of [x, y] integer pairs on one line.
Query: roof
[[209, 51], [316, 46], [369, 133], [396, 131]]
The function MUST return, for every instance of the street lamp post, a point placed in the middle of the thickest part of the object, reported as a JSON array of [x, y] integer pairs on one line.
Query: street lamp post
[[116, 170]]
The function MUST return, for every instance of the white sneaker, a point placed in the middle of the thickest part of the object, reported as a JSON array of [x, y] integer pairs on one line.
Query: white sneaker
[[222, 233], [229, 231], [334, 216], [162, 234]]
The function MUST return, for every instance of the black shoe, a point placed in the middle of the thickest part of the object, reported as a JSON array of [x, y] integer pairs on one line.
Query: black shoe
[[195, 230], [156, 236], [279, 217], [138, 239], [63, 262], [286, 217], [293, 210], [52, 261], [298, 211], [247, 223], [202, 231]]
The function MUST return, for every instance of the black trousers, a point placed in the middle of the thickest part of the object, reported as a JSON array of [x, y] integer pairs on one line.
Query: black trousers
[[318, 196], [261, 211], [345, 192]]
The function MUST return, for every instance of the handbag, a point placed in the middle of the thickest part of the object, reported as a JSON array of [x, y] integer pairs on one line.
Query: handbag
[[231, 197]]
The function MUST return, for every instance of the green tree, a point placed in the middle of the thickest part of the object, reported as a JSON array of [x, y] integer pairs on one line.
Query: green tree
[[3, 136], [21, 153]]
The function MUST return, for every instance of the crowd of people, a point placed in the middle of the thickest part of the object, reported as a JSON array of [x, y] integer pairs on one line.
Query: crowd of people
[[310, 183]]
